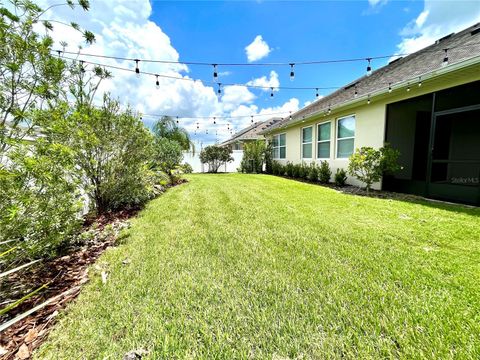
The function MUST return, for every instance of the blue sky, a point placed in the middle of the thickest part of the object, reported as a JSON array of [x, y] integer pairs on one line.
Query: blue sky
[[273, 31]]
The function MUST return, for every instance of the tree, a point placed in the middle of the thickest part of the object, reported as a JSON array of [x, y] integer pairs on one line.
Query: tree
[[253, 156], [112, 149], [167, 128], [215, 156], [168, 156], [368, 164]]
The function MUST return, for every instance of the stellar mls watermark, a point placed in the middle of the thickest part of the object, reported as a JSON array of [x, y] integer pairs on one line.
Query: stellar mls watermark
[[465, 180]]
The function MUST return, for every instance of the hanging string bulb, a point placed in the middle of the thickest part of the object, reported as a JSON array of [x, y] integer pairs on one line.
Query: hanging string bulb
[[252, 118], [329, 111], [290, 115], [59, 52], [198, 126], [157, 83], [215, 72], [356, 92], [419, 81], [316, 93], [445, 58], [214, 120], [206, 131], [137, 69], [390, 87], [368, 100], [408, 87], [369, 67], [177, 119], [219, 91], [271, 92], [292, 71]]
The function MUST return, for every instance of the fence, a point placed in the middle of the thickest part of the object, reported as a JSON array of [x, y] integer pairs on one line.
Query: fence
[[198, 167]]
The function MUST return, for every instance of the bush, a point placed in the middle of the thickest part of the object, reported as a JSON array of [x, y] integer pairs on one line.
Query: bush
[[168, 155], [253, 157], [215, 156], [290, 169], [324, 172], [187, 168], [269, 158], [312, 172], [368, 164], [297, 170], [340, 177]]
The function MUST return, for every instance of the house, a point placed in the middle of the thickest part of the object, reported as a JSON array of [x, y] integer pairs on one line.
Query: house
[[250, 133], [426, 105]]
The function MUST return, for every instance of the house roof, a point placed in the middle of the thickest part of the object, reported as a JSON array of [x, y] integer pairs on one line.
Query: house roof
[[413, 68], [252, 132]]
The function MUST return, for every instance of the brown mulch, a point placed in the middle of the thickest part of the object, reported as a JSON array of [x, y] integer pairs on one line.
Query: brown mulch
[[64, 277]]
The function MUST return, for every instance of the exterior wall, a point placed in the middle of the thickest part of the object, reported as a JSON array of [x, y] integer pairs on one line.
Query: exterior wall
[[370, 121]]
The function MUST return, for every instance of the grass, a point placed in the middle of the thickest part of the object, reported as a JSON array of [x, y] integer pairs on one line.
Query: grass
[[253, 266]]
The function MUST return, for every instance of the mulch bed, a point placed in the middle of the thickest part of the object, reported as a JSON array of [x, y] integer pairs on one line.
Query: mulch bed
[[64, 277]]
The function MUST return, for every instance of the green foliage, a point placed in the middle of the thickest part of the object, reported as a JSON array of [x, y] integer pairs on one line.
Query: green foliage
[[168, 156], [269, 158], [215, 156], [167, 128], [278, 169], [254, 153], [340, 177], [187, 168], [290, 169], [324, 172], [368, 164], [312, 172], [112, 150], [40, 202]]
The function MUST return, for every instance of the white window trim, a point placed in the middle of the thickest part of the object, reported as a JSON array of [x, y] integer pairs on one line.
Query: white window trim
[[280, 146], [306, 143], [324, 141], [344, 138]]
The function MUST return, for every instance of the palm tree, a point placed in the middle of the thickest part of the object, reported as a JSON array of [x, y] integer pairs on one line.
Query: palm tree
[[166, 127]]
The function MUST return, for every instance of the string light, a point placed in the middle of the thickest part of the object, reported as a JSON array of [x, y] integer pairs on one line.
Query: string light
[[290, 115], [292, 71], [369, 67], [408, 87], [82, 68], [206, 131], [356, 92], [215, 73], [445, 58], [271, 92], [198, 126], [157, 83], [137, 69], [252, 118], [390, 87], [316, 94], [219, 91], [177, 119], [368, 100], [419, 81], [214, 120], [329, 111]]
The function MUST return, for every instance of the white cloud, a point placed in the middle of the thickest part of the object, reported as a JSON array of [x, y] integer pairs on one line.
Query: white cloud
[[266, 83], [123, 29], [376, 2], [438, 18], [258, 49]]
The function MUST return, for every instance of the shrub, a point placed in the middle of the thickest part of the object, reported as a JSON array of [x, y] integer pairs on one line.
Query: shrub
[[253, 157], [290, 169], [312, 172], [269, 158], [187, 168], [368, 164], [324, 172], [215, 156], [168, 155], [297, 170], [340, 177], [277, 168]]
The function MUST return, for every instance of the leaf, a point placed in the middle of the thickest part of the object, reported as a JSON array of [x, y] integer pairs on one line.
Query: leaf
[[23, 352], [31, 335]]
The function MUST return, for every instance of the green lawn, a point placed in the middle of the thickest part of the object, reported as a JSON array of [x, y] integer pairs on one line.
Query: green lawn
[[253, 266]]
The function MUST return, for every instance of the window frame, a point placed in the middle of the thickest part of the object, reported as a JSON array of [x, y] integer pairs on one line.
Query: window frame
[[279, 146], [337, 139], [324, 141], [306, 143]]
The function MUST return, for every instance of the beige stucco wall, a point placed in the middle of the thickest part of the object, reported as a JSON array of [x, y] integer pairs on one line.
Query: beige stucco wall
[[369, 120]]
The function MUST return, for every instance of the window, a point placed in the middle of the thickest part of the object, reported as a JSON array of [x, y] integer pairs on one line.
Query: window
[[307, 139], [323, 140], [345, 136], [279, 146]]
